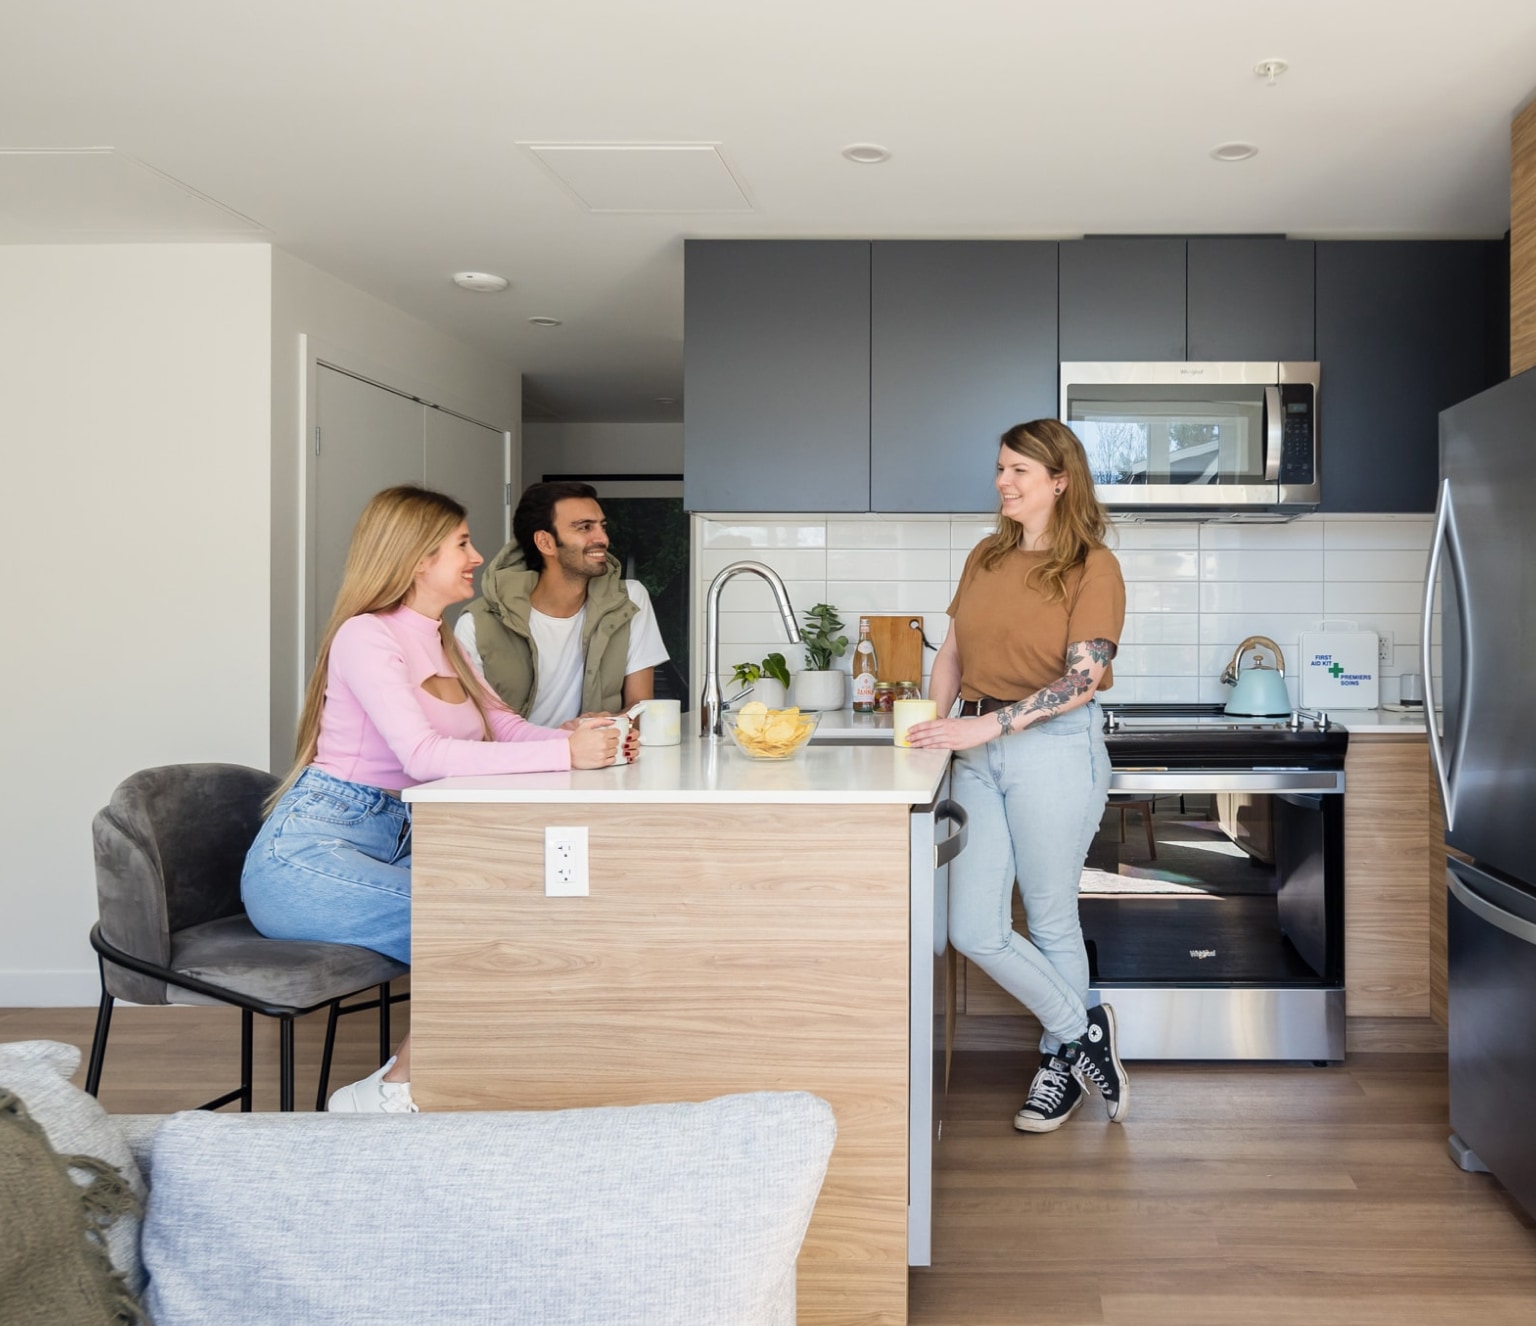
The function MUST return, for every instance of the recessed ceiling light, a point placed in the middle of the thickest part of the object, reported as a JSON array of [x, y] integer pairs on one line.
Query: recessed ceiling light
[[1234, 151], [544, 322], [482, 283], [867, 154]]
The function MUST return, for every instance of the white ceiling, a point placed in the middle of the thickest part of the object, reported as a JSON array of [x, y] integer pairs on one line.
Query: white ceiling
[[380, 139]]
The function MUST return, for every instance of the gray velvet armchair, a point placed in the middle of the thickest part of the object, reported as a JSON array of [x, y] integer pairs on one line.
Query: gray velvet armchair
[[169, 850]]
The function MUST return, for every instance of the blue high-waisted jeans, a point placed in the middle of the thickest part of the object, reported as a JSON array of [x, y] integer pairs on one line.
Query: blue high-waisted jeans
[[1035, 799], [333, 862]]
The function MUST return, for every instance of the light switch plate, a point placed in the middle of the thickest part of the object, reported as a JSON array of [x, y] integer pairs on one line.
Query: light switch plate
[[565, 860]]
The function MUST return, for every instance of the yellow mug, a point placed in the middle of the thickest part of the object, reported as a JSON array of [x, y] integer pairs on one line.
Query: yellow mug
[[904, 713]]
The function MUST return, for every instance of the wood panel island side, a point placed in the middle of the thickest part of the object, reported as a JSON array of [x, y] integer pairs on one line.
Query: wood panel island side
[[749, 926]]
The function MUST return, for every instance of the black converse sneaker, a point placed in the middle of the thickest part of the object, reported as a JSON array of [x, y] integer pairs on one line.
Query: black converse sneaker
[[1095, 1060], [1053, 1096]]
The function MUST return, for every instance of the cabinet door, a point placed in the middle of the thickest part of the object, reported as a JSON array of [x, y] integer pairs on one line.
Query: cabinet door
[[469, 461], [962, 347], [776, 375], [1404, 329], [1122, 300], [1250, 299]]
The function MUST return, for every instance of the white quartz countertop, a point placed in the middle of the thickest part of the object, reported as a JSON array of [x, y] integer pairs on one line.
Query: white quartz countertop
[[1367, 722], [716, 772]]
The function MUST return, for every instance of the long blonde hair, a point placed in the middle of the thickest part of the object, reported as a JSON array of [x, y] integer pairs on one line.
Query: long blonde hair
[[1079, 523], [397, 529]]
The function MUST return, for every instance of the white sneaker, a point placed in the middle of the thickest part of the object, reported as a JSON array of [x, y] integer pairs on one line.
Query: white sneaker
[[373, 1095]]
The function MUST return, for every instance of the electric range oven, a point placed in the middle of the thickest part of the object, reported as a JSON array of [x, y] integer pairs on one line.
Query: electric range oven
[[1212, 897]]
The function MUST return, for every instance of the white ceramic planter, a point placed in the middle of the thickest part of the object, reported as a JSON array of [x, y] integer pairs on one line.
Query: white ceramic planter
[[819, 690], [772, 693]]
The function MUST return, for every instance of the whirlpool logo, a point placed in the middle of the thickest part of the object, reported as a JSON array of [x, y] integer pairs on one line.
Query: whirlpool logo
[[1202, 953]]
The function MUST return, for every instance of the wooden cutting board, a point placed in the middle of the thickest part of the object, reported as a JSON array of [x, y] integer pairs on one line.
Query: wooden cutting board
[[898, 646]]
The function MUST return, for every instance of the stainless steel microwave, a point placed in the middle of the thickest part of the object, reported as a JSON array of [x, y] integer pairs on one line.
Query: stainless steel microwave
[[1193, 441]]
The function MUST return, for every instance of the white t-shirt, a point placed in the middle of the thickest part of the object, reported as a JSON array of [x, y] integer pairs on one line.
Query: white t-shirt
[[557, 697]]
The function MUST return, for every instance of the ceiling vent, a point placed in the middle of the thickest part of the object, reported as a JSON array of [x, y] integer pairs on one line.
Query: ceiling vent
[[643, 177]]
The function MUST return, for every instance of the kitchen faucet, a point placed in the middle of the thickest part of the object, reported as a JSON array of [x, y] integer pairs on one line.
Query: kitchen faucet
[[709, 702]]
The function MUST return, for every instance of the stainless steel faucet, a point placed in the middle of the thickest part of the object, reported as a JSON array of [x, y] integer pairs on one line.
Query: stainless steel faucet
[[709, 702]]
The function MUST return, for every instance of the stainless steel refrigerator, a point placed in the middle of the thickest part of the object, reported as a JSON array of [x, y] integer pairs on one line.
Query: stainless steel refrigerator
[[1484, 558]]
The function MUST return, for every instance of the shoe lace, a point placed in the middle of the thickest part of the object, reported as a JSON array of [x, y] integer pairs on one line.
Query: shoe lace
[[1049, 1087], [1089, 1067], [396, 1099]]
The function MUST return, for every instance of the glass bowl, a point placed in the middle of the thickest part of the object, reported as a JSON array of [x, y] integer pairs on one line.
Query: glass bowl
[[773, 734]]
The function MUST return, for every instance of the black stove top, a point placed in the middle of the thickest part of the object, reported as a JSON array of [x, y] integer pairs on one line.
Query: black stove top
[[1204, 735]]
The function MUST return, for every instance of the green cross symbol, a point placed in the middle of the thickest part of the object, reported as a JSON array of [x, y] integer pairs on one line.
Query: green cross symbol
[[1335, 670]]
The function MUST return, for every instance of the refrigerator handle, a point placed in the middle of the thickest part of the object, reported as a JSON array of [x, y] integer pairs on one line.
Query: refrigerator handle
[[1274, 434], [1515, 926], [1431, 577]]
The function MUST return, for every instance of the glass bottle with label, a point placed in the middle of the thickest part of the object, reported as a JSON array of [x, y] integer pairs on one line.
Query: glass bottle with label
[[866, 667]]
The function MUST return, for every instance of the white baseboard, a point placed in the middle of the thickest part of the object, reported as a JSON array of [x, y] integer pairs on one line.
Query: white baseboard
[[50, 989]]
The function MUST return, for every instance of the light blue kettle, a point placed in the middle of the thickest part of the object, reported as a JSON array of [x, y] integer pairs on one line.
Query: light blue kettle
[[1258, 691]]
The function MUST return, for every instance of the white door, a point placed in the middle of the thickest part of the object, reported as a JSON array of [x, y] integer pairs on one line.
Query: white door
[[469, 462], [370, 439]]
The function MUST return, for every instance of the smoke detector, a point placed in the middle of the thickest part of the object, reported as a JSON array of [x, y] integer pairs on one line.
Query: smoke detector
[[482, 283], [1270, 70]]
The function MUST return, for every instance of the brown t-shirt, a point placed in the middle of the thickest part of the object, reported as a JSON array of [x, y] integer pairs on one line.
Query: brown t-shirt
[[1013, 641]]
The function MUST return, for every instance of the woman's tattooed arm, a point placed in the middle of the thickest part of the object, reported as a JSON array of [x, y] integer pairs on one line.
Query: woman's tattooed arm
[[1086, 662]]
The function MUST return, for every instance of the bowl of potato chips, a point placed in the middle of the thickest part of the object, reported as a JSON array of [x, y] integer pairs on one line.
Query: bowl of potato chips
[[769, 734]]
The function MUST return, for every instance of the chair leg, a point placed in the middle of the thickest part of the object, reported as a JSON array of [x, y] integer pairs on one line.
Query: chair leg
[[285, 1067], [247, 1057], [1146, 819], [325, 1059], [1122, 823], [384, 1047], [99, 1040]]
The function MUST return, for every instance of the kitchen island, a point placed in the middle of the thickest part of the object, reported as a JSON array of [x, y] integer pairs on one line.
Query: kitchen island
[[748, 925]]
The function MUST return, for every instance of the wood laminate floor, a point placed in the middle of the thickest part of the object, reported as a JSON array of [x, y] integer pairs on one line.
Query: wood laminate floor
[[1274, 1195]]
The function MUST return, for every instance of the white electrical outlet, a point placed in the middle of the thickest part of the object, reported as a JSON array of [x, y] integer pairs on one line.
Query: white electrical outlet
[[1384, 648], [565, 860]]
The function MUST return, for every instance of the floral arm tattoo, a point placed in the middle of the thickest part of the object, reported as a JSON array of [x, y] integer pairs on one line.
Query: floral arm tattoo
[[1086, 661]]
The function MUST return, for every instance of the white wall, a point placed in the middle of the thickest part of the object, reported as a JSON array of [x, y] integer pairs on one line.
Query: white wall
[[355, 331], [601, 449], [135, 425]]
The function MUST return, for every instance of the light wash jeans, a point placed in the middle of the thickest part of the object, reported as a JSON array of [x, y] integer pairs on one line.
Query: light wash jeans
[[1035, 799], [333, 862]]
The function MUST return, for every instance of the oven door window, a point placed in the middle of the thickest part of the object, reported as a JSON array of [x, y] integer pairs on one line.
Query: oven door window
[[1198, 436], [1224, 888]]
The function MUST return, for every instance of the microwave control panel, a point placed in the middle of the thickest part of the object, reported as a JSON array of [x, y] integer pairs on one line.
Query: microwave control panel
[[1298, 405]]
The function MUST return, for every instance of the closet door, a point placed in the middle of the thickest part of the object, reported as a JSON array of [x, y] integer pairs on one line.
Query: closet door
[[469, 461], [369, 438]]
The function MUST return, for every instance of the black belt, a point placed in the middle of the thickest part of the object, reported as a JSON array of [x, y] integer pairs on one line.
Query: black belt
[[985, 705]]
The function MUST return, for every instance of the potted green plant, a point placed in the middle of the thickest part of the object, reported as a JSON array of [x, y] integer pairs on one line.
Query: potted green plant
[[820, 685], [769, 680]]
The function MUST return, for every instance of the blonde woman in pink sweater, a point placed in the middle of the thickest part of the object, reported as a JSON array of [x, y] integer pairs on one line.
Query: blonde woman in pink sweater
[[392, 702]]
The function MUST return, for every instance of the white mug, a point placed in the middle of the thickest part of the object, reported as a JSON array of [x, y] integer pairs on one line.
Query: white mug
[[662, 723]]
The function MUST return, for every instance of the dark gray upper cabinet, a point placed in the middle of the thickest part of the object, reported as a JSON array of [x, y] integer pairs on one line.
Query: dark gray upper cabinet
[[1122, 299], [776, 375], [1403, 331], [962, 347], [1250, 299]]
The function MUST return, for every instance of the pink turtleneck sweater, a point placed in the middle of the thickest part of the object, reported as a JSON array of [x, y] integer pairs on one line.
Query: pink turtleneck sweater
[[381, 728]]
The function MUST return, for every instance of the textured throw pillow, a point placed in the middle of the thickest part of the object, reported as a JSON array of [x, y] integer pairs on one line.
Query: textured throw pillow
[[654, 1215], [75, 1124], [53, 1261]]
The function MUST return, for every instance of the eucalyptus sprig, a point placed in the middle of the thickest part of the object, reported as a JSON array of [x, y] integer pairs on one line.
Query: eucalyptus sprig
[[821, 644]]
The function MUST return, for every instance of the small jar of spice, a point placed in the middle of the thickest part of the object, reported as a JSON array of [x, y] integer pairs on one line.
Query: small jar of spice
[[885, 696]]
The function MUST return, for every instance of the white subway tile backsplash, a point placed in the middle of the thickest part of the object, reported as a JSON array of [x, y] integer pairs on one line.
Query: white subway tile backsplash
[[1159, 564], [888, 533], [790, 563], [888, 564], [1193, 592], [1244, 565], [1388, 564], [742, 535]]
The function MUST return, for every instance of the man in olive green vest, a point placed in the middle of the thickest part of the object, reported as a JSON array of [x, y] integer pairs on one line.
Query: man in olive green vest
[[556, 630]]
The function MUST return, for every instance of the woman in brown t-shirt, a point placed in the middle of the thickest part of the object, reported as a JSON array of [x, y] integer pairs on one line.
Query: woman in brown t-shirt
[[1036, 620]]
